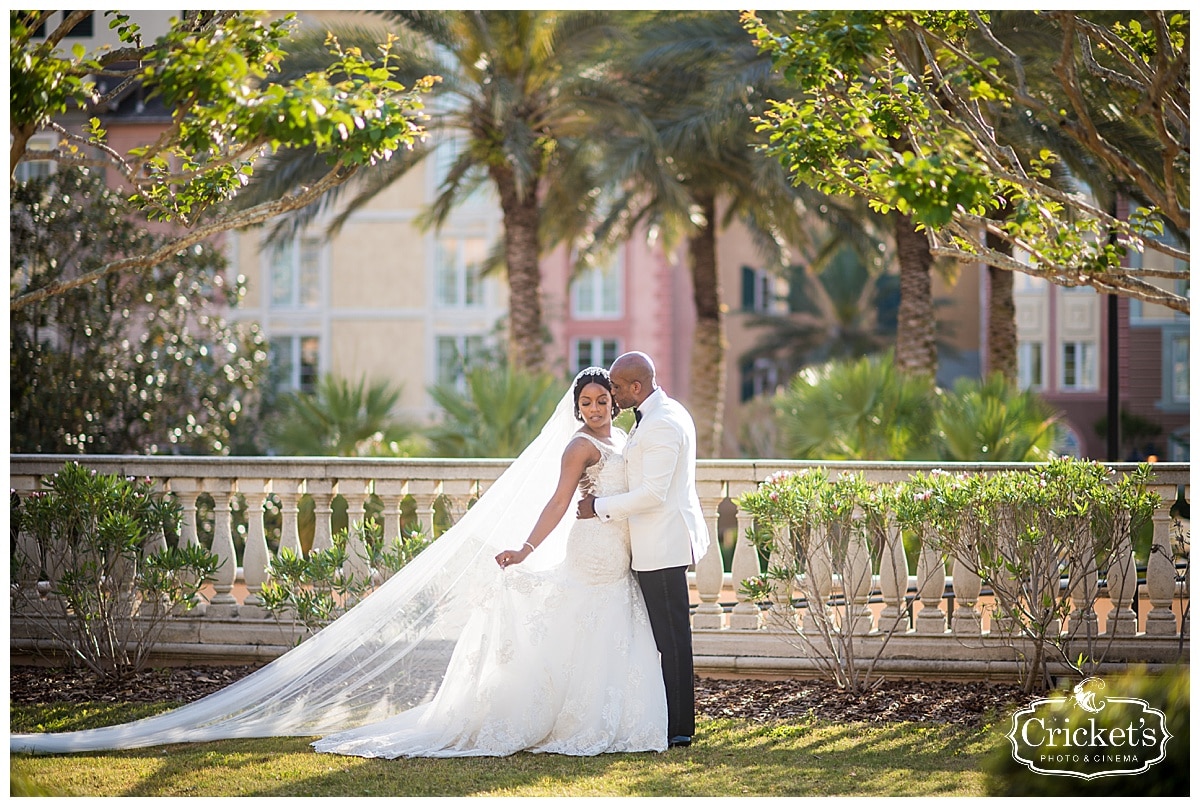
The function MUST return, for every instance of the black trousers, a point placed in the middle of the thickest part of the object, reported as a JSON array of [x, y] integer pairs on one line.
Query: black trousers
[[666, 595]]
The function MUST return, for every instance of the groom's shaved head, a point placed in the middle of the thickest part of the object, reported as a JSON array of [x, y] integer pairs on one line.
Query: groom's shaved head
[[634, 366]]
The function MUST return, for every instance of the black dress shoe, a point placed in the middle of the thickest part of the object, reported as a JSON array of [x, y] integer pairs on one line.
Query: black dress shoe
[[679, 742]]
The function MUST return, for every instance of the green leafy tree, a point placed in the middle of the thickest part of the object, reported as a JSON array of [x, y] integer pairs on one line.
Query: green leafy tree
[[497, 415], [898, 107], [519, 90], [344, 419], [213, 71], [131, 364]]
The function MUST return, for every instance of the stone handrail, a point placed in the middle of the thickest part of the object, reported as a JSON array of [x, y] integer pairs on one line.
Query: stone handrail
[[730, 632]]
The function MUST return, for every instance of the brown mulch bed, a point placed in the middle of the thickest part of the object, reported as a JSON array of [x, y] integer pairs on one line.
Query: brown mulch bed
[[961, 702]]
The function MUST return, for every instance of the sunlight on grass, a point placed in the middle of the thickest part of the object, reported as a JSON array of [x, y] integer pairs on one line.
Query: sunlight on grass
[[730, 757]]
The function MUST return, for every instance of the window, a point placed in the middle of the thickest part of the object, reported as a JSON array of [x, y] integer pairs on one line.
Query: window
[[458, 266], [454, 357], [1078, 366], [596, 292], [597, 352], [295, 273], [35, 169], [1029, 365], [85, 28], [759, 377], [1176, 372], [756, 289], [295, 360]]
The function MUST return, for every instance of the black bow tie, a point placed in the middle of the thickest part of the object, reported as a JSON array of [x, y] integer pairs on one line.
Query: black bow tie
[[637, 416]]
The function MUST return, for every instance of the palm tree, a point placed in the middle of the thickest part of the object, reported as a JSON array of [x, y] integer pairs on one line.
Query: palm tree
[[688, 166], [833, 315], [498, 414], [867, 409], [343, 419], [993, 420], [522, 90]]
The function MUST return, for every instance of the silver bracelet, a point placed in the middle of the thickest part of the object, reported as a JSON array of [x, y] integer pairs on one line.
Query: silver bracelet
[[531, 546]]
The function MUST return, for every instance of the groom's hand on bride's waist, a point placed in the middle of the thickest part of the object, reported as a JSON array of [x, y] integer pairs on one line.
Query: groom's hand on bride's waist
[[587, 507]]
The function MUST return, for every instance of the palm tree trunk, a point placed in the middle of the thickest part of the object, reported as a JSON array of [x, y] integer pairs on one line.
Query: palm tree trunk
[[708, 345], [521, 251], [1002, 316], [916, 351]]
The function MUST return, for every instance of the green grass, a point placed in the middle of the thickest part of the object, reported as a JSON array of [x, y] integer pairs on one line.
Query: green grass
[[729, 758]]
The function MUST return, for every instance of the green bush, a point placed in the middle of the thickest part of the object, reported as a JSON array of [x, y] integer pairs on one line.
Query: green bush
[[91, 566]]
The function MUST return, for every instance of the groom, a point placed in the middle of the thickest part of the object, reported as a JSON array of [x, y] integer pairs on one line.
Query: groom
[[666, 525]]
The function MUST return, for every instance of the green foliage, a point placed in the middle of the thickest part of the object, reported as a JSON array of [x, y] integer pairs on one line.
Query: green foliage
[[92, 566], [1021, 532], [131, 364], [956, 120], [213, 71], [993, 420], [864, 409], [343, 419], [316, 589], [1169, 692], [498, 415]]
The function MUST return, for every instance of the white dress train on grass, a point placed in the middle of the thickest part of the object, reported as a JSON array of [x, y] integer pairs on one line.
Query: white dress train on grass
[[554, 654], [557, 661]]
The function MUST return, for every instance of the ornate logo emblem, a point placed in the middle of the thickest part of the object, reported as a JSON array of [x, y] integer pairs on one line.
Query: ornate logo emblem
[[1088, 736]]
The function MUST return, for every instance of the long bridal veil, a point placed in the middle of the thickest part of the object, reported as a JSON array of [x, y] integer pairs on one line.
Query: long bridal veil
[[386, 654]]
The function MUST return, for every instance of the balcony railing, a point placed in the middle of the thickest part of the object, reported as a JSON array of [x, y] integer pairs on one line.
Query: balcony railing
[[945, 630]]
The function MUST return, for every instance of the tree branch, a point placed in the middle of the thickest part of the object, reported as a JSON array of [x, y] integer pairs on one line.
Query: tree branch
[[246, 218]]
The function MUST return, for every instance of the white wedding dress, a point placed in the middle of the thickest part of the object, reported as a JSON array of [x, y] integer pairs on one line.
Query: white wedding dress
[[559, 661], [453, 655]]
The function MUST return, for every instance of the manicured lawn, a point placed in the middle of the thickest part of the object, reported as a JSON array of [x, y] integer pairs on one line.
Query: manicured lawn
[[731, 757]]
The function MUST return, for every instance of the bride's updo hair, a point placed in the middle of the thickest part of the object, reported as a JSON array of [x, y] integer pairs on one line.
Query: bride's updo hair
[[594, 375]]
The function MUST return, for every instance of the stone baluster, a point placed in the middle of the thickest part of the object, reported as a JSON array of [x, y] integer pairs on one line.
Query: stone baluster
[[856, 577], [967, 621], [157, 540], [187, 491], [1160, 571], [818, 574], [893, 581], [782, 615], [710, 569], [256, 556], [321, 491], [931, 588], [745, 615], [391, 494], [288, 491], [30, 572], [424, 493], [458, 495], [222, 605], [1122, 583], [355, 491], [1083, 586]]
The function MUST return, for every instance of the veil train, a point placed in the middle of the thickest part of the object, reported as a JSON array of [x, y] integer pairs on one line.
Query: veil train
[[386, 654]]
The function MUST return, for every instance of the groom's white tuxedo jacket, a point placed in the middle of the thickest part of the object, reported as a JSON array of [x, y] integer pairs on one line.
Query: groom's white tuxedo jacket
[[666, 524]]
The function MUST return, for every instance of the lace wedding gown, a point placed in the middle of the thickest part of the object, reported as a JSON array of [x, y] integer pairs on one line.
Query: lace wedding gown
[[555, 661]]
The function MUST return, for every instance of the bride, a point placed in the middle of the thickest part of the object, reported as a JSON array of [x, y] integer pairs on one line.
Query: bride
[[468, 651]]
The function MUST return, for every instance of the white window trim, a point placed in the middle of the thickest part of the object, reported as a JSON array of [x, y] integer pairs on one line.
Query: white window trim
[[267, 254], [1062, 366], [594, 276]]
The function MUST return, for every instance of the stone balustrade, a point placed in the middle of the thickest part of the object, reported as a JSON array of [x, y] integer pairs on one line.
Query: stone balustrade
[[926, 624]]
